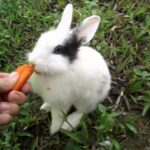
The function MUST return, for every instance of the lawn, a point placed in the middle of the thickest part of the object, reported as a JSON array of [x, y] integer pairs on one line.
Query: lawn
[[122, 121]]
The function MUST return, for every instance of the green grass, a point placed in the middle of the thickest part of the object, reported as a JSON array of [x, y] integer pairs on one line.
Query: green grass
[[124, 40]]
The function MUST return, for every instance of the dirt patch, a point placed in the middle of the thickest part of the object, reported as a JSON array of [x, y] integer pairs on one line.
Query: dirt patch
[[141, 141]]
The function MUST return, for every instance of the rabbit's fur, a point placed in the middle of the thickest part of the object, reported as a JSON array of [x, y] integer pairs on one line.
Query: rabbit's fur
[[68, 74]]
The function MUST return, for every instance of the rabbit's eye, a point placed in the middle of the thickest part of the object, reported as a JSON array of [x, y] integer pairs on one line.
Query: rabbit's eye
[[59, 49]]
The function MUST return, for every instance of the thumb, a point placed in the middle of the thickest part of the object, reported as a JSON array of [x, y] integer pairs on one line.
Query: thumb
[[7, 83]]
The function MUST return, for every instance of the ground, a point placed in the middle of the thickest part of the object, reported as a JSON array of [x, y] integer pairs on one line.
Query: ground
[[122, 122]]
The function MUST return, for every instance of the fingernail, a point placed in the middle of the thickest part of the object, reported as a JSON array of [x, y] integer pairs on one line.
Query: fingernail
[[15, 95], [5, 119]]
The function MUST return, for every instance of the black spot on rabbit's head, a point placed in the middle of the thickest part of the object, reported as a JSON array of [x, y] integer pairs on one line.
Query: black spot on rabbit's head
[[70, 46]]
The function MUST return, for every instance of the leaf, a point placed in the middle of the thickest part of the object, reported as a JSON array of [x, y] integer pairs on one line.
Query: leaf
[[34, 144], [131, 118], [135, 87], [147, 20], [102, 108], [24, 134], [138, 72], [85, 132], [16, 146], [145, 109], [123, 64], [107, 123], [114, 114], [115, 145], [71, 145], [131, 128], [74, 136]]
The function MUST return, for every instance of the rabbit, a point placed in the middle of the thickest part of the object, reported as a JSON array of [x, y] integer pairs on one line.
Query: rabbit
[[67, 73]]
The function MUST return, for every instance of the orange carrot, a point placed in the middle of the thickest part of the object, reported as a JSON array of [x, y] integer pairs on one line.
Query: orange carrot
[[24, 71]]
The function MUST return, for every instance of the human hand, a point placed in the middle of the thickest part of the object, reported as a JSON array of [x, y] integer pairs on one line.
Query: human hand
[[10, 106]]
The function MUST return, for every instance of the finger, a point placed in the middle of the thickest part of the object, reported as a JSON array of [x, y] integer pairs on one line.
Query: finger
[[16, 97], [7, 82], [3, 75], [5, 119], [9, 108], [26, 88]]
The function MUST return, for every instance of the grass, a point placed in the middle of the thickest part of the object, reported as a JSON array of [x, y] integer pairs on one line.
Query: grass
[[123, 39]]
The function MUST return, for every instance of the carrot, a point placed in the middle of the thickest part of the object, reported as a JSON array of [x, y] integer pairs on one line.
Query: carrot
[[24, 71]]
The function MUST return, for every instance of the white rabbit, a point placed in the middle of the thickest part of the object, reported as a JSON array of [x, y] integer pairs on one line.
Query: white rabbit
[[68, 74]]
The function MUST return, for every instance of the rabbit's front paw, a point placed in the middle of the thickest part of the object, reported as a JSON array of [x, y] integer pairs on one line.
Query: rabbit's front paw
[[45, 107], [57, 120], [72, 121]]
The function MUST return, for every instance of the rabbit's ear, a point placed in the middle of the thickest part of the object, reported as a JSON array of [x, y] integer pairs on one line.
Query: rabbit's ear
[[66, 19], [88, 28]]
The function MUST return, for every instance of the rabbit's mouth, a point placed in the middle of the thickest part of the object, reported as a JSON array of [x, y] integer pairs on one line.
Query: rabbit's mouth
[[38, 70], [38, 73]]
